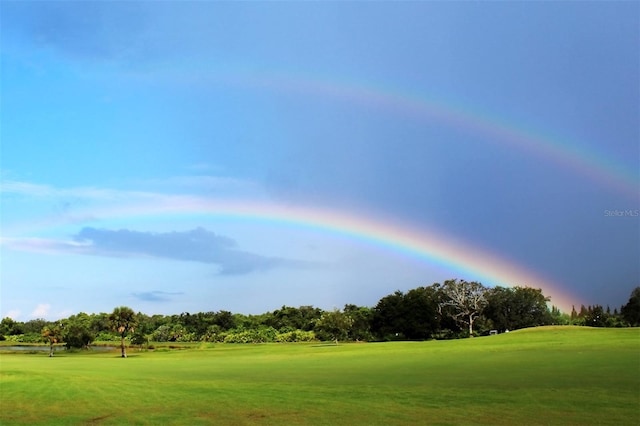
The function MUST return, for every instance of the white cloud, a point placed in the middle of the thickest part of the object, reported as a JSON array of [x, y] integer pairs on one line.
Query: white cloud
[[13, 314], [197, 183], [43, 245], [41, 311], [85, 204], [26, 188], [29, 189]]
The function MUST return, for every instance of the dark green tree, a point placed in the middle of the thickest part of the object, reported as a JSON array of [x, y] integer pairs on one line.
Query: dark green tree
[[499, 308], [77, 332], [139, 338], [361, 317], [558, 317], [631, 311], [289, 318], [100, 323], [583, 311], [596, 317], [34, 326], [143, 330], [334, 324], [9, 327], [223, 319], [517, 307], [421, 313], [388, 321], [413, 316]]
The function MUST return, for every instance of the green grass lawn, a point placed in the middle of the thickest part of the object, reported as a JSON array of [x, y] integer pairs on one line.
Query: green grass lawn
[[548, 375]]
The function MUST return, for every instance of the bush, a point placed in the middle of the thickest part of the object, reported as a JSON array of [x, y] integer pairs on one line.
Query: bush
[[215, 337], [25, 338], [140, 339], [261, 335], [296, 336], [214, 333], [240, 337], [76, 337], [186, 337], [172, 333]]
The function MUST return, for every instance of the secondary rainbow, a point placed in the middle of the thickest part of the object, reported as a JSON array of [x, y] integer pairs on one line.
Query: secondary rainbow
[[586, 162]]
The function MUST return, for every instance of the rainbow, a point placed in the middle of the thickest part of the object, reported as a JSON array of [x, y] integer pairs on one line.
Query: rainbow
[[596, 166], [428, 245]]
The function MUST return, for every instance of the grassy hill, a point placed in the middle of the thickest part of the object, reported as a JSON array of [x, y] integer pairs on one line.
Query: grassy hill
[[546, 375]]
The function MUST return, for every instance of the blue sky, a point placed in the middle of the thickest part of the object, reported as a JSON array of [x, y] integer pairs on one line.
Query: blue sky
[[510, 128]]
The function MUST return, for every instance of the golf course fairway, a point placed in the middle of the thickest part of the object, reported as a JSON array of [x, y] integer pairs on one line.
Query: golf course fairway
[[545, 375]]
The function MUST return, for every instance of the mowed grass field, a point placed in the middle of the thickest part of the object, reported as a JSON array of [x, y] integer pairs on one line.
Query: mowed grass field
[[547, 375]]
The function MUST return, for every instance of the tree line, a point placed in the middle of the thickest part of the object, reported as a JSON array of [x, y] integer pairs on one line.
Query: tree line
[[453, 309]]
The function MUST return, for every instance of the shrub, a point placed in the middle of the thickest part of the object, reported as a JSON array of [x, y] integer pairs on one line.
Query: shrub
[[261, 335], [25, 338], [296, 336], [139, 339], [186, 337]]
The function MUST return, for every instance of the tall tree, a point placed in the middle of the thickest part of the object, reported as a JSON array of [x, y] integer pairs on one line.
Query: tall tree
[[464, 301], [596, 317], [517, 307], [574, 314], [389, 322], [361, 327], [123, 320], [421, 312], [631, 311]]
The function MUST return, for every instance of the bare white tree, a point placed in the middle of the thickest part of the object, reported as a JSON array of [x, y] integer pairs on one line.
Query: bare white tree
[[464, 301]]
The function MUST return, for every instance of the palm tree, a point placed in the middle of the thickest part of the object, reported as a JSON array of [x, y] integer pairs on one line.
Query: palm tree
[[52, 334], [123, 320]]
